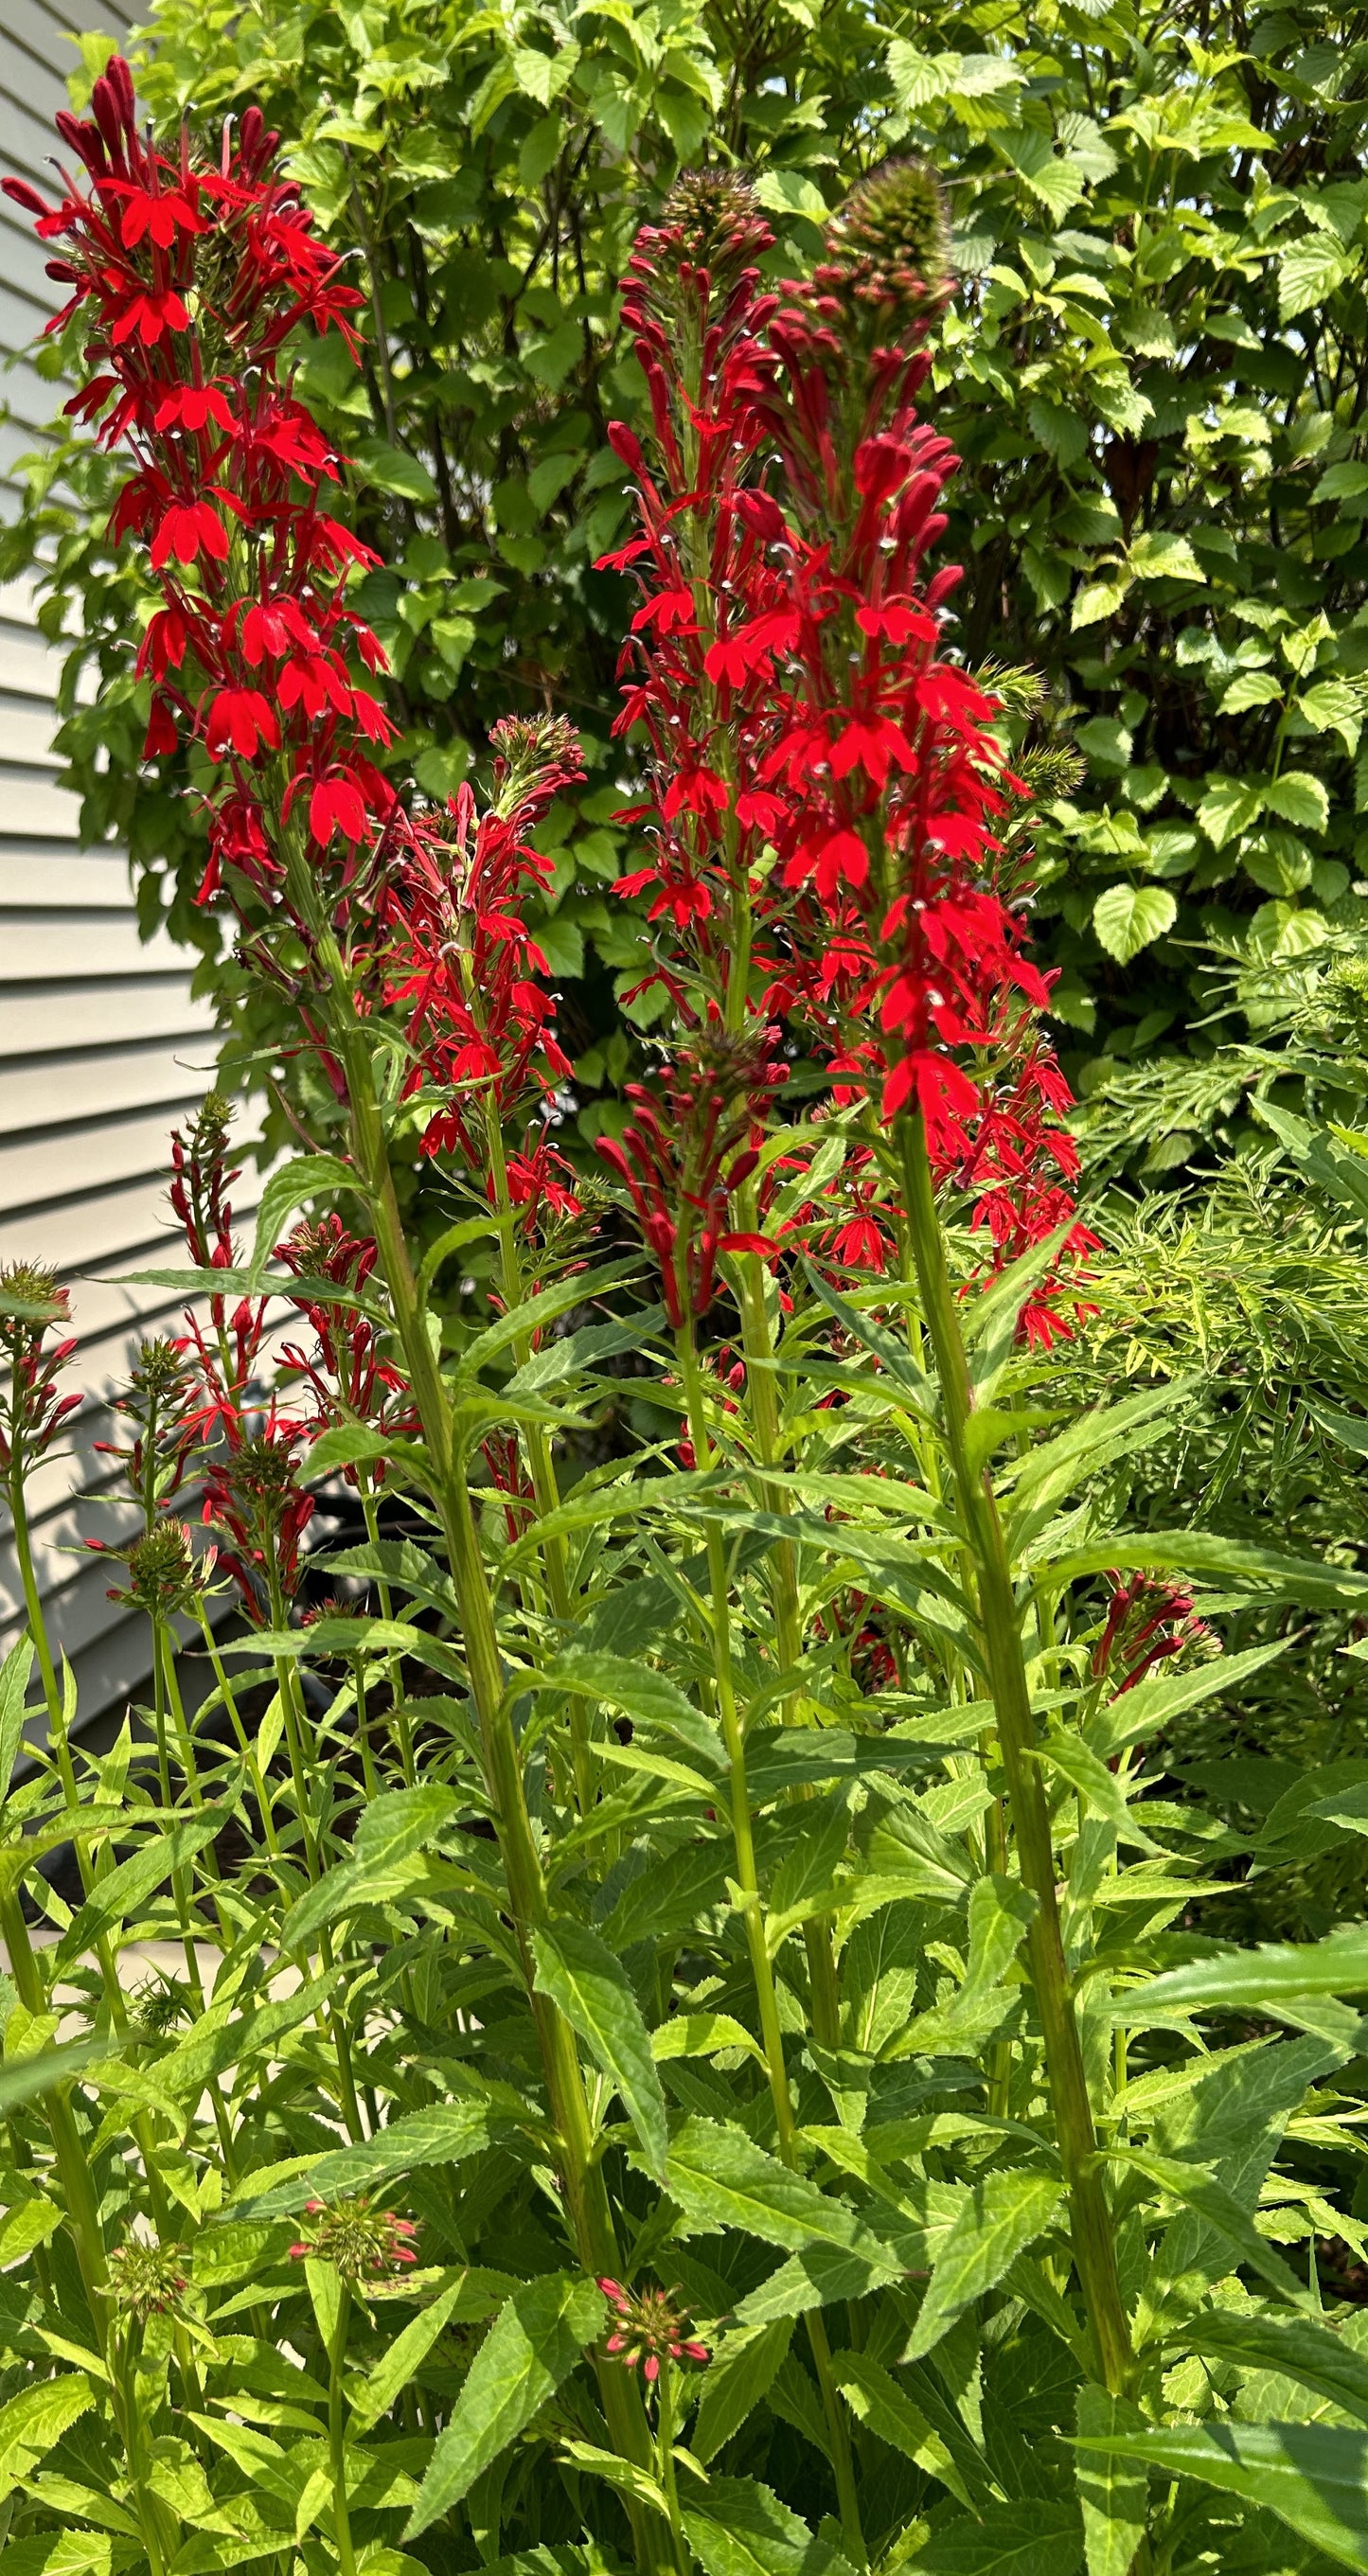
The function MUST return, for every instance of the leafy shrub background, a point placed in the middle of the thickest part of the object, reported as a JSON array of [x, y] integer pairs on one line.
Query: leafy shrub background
[[1155, 372]]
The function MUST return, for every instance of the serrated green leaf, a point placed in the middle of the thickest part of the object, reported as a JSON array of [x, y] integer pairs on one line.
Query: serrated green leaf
[[1004, 2214], [592, 1989], [534, 2342]]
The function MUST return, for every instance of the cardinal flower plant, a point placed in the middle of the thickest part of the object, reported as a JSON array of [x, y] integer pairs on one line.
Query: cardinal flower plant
[[685, 2043]]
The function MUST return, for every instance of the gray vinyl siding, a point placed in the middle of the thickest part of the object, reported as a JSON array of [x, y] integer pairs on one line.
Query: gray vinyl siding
[[102, 1046]]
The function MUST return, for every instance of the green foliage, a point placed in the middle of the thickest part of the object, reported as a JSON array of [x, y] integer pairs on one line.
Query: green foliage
[[1154, 372]]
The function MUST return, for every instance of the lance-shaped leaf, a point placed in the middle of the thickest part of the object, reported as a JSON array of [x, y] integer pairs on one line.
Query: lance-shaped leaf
[[1295, 2347], [471, 2295], [113, 1899], [393, 1828], [1209, 2200], [14, 1682], [1003, 2215], [445, 2134], [741, 2529], [648, 1697], [1312, 2476], [1028, 2537], [737, 2377], [586, 1983], [306, 1176], [1254, 1980], [873, 2395], [1113, 2490], [720, 2178], [36, 2418], [533, 2344]]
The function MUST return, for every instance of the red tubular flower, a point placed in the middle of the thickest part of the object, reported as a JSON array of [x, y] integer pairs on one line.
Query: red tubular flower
[[467, 968]]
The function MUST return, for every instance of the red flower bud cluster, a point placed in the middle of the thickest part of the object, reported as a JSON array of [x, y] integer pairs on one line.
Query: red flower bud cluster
[[361, 2243], [650, 2327], [1148, 1620], [691, 1144]]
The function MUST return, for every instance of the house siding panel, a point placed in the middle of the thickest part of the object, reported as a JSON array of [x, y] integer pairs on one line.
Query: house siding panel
[[102, 1045]]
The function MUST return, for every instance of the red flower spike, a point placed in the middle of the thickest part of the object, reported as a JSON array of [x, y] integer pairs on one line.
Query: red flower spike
[[806, 735]]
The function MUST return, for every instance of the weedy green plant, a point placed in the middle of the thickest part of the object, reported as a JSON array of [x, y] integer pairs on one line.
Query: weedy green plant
[[687, 2045], [1152, 372]]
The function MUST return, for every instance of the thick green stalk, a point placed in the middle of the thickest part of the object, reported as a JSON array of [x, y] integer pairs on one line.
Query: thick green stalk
[[757, 1343], [1090, 2215], [753, 1915]]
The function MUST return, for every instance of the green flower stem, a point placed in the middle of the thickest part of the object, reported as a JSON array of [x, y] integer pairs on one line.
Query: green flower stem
[[586, 2192], [337, 2431], [539, 1458], [1090, 2215], [122, 2361], [245, 1748], [393, 1663], [665, 2462], [757, 1344], [257, 1777], [753, 1916]]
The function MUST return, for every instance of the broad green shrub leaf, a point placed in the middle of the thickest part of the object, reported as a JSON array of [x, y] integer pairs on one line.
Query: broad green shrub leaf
[[535, 2340], [1004, 2214], [1128, 918], [584, 1980], [1312, 2476]]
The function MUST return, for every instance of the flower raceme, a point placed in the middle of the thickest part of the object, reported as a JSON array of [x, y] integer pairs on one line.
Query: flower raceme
[[32, 1412], [190, 277], [815, 760], [464, 965], [688, 1147]]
